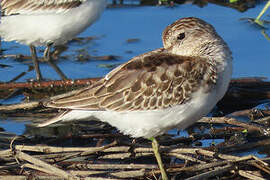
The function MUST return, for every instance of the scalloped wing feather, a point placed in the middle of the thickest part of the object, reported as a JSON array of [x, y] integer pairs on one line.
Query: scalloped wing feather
[[147, 82]]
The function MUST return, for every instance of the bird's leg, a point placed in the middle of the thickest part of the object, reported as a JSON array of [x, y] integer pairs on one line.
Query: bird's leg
[[0, 47], [47, 57], [47, 52], [155, 147], [35, 62]]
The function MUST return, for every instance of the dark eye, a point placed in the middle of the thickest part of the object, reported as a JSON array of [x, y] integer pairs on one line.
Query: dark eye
[[181, 36]]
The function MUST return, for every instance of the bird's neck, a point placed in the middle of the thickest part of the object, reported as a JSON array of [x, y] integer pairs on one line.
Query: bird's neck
[[218, 53]]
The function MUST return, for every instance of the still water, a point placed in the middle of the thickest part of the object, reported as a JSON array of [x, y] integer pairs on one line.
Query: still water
[[145, 24]]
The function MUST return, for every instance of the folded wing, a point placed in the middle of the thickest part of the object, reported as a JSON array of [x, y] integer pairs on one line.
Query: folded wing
[[147, 82]]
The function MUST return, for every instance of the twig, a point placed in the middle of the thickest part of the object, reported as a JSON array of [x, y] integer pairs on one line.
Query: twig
[[49, 168], [185, 157], [112, 166], [25, 178], [51, 149], [102, 148], [119, 174], [246, 146], [35, 167], [119, 156], [232, 121], [129, 174], [250, 175], [217, 171], [86, 173], [199, 167], [49, 84], [24, 106]]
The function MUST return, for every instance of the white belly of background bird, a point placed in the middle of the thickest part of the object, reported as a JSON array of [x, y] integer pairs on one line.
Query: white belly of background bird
[[47, 23], [39, 27]]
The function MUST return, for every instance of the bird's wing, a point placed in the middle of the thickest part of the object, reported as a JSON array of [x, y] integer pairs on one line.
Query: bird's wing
[[146, 82], [26, 7]]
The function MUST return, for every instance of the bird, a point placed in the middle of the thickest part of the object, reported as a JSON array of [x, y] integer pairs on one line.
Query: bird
[[169, 87], [46, 23]]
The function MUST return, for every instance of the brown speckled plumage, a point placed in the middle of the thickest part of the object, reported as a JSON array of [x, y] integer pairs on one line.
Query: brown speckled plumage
[[147, 82], [11, 7]]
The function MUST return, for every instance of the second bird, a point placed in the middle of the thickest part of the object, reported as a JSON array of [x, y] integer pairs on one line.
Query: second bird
[[46, 22]]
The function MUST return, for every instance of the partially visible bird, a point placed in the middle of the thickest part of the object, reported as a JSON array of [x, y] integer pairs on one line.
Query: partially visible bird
[[46, 22], [171, 87]]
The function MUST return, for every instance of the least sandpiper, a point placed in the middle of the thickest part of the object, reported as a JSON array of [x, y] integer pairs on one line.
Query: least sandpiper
[[171, 87], [46, 22]]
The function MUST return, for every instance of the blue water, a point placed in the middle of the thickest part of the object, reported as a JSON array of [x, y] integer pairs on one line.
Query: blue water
[[248, 45], [13, 126], [250, 49]]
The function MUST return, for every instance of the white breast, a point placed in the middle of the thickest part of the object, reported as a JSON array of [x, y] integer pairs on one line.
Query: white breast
[[43, 28]]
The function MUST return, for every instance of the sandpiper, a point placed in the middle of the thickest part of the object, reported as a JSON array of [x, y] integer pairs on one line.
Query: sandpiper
[[46, 22], [170, 87]]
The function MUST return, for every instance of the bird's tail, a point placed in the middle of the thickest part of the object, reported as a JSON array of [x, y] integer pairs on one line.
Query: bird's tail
[[53, 120]]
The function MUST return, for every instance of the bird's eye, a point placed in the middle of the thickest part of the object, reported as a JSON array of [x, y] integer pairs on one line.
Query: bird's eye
[[181, 36]]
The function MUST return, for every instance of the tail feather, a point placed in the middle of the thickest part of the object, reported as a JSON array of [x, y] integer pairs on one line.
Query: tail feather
[[53, 120]]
